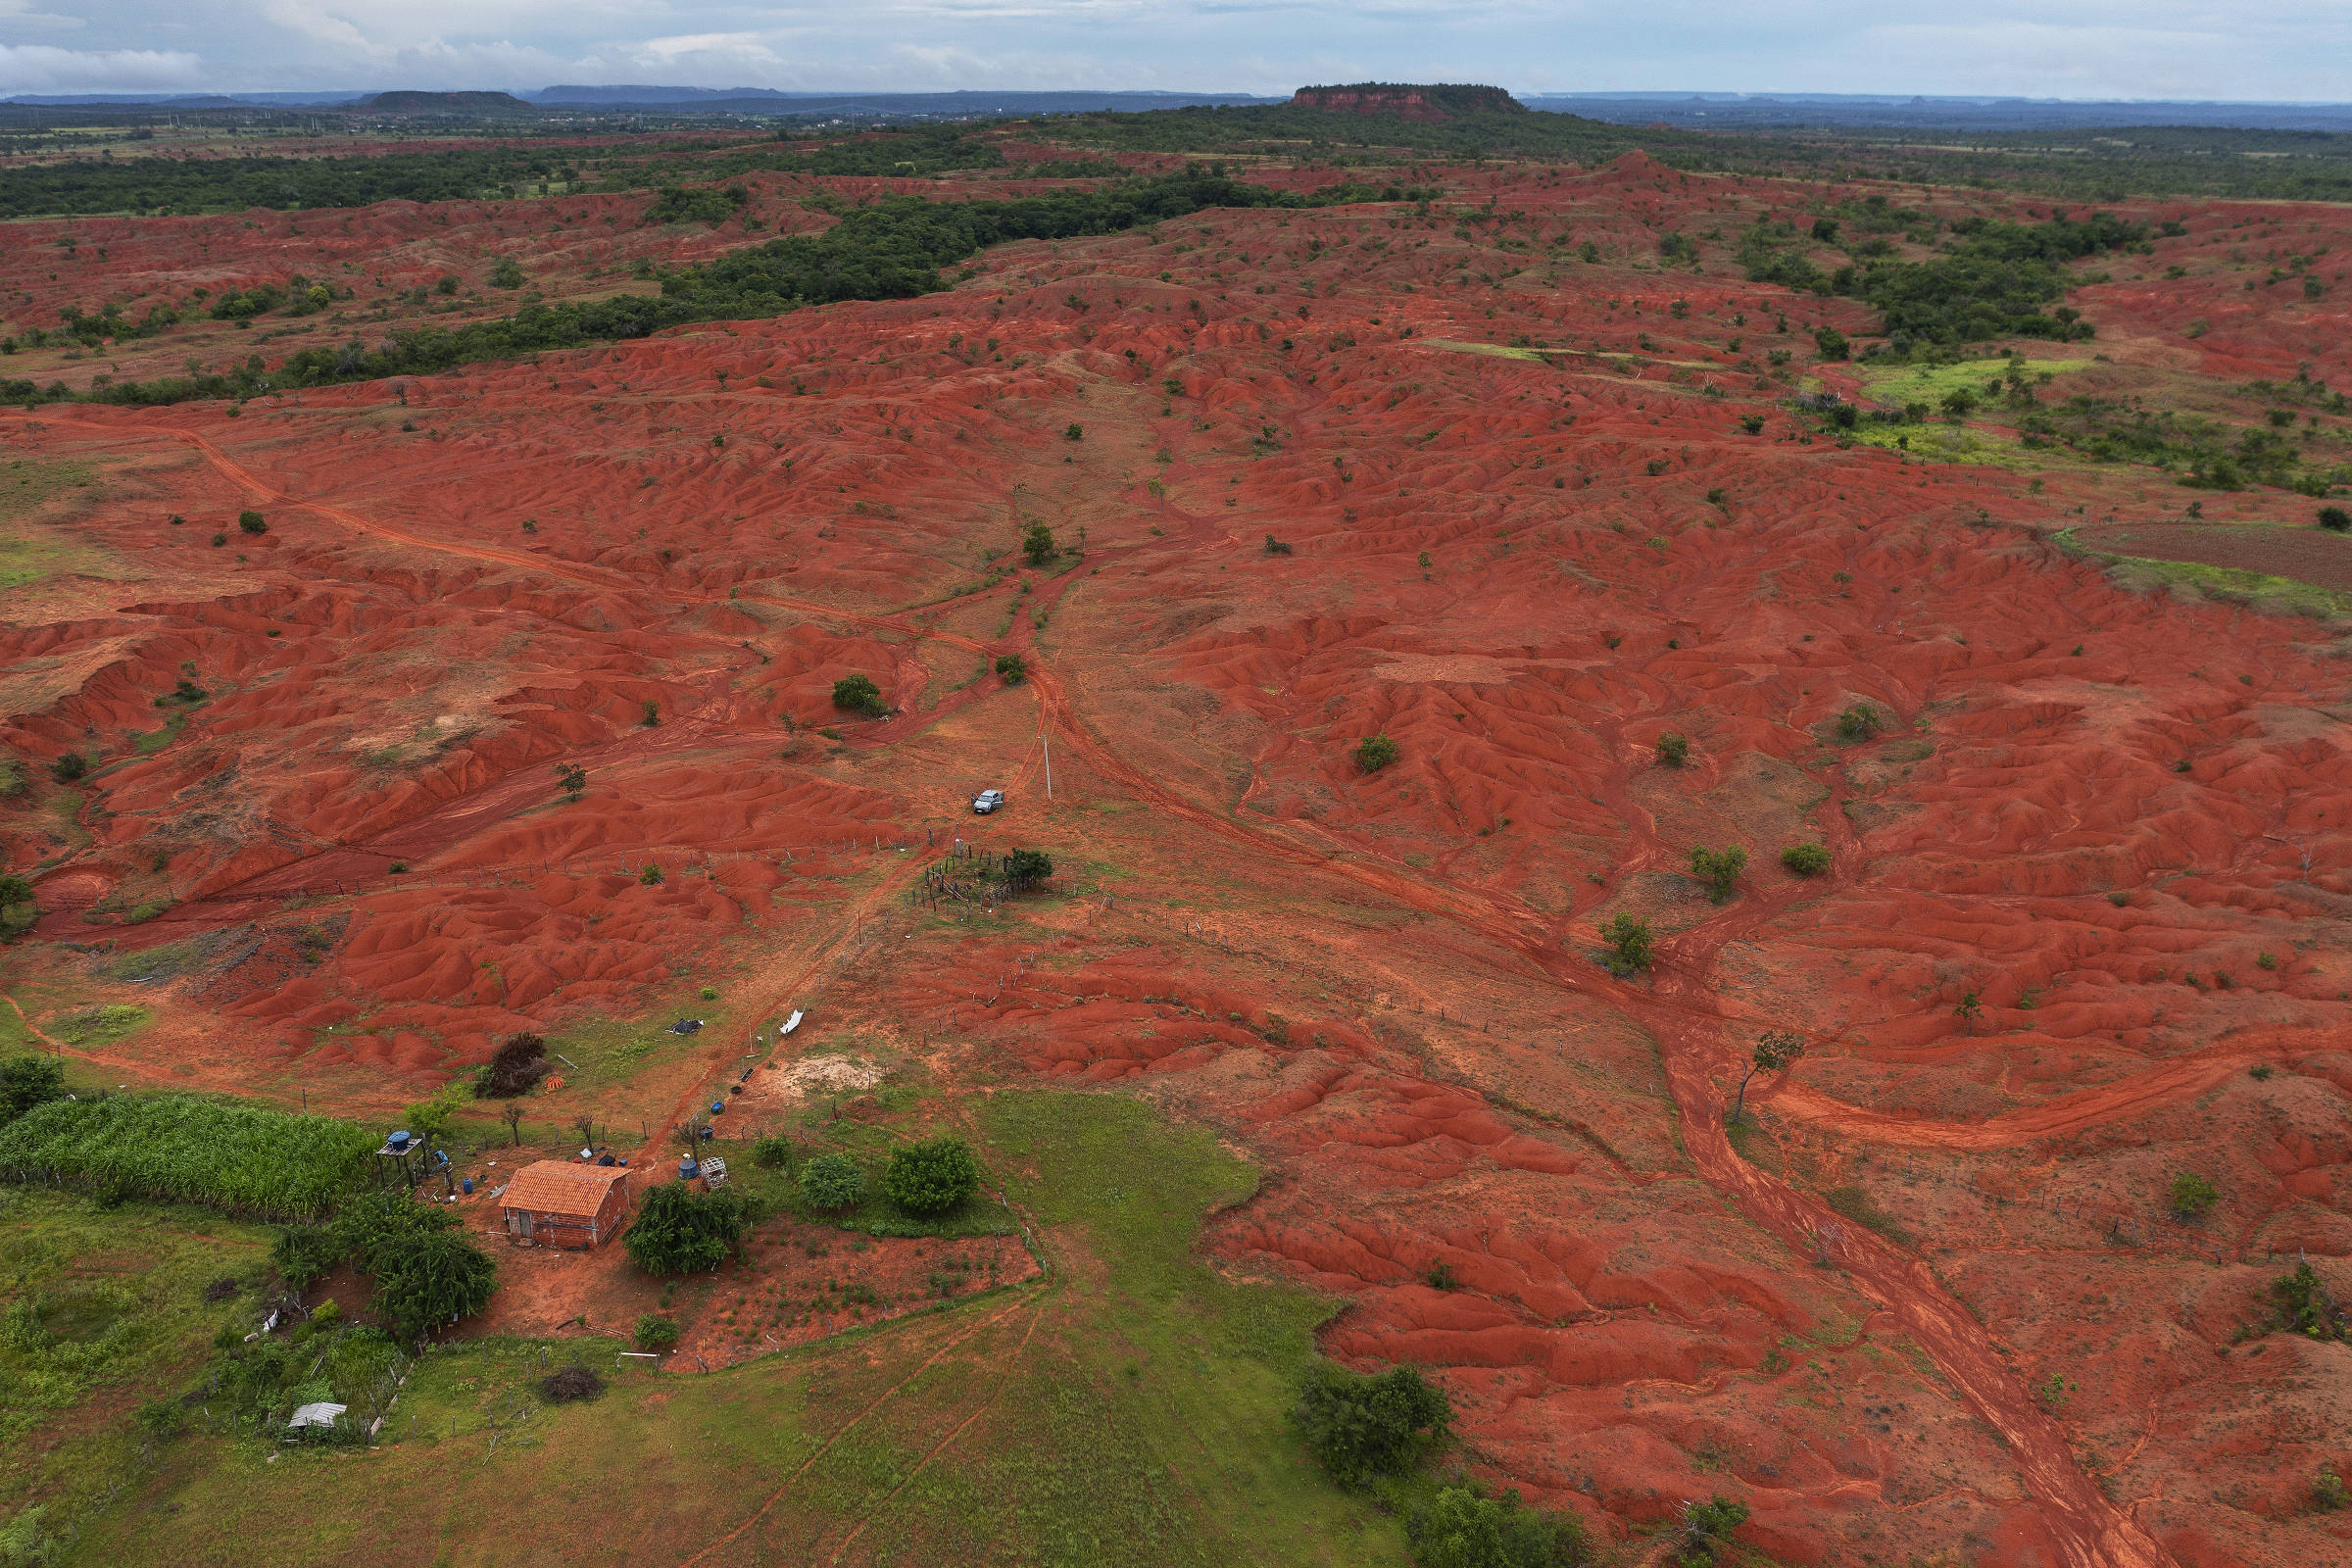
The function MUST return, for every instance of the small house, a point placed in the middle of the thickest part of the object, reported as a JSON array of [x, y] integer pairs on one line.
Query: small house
[[555, 1202]]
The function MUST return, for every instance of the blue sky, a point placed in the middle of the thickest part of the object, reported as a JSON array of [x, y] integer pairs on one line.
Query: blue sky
[[2280, 49]]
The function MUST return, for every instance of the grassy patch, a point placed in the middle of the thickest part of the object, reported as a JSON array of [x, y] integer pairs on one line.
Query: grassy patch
[[1130, 1412], [31, 554], [1928, 383], [103, 1309], [93, 1027], [2283, 596]]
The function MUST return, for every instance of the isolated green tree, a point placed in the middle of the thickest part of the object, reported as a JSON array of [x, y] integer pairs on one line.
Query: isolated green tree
[[250, 521], [1718, 870], [1365, 1427], [1806, 860], [1707, 1530], [679, 1229], [1631, 943], [1011, 669], [931, 1177], [1775, 1049], [860, 695], [1674, 749], [1037, 544], [1860, 722], [1375, 751], [2192, 1195]]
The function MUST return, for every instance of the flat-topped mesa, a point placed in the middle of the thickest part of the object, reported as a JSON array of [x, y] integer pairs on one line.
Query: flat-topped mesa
[[1426, 101]]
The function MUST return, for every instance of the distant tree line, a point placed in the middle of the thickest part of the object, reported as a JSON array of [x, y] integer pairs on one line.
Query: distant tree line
[[893, 249]]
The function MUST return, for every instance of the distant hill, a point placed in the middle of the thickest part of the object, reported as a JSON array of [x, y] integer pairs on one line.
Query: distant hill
[[448, 103], [1425, 101]]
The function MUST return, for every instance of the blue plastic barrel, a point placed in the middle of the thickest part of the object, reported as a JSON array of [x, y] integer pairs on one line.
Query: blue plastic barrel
[[468, 1184]]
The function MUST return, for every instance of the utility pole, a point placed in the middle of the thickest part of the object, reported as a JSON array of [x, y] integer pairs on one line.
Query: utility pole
[[1048, 733]]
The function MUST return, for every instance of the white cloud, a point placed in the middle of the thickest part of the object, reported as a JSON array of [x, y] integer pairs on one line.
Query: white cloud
[[43, 68]]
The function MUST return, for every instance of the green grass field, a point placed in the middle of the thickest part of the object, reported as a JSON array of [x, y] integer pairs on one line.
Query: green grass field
[[1928, 383], [1131, 1407]]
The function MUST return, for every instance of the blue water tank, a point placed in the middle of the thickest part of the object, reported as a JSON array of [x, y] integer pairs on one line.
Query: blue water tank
[[398, 1141], [717, 1106], [688, 1170]]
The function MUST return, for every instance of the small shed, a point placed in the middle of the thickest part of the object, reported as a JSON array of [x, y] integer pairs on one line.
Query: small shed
[[555, 1202]]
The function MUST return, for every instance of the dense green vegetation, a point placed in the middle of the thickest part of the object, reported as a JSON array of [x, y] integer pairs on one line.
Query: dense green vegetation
[[1486, 133], [893, 249], [931, 1177], [185, 1148], [679, 1229], [2205, 454], [194, 185], [1991, 281]]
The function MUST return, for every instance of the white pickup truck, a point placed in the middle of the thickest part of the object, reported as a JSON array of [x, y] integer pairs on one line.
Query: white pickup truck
[[987, 800]]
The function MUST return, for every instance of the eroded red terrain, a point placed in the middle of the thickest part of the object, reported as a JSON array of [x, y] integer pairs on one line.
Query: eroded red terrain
[[1527, 537]]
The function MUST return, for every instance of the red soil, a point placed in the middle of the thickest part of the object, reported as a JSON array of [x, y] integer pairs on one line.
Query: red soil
[[1523, 569]]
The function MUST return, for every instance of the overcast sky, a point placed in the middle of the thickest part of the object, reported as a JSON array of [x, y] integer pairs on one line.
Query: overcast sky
[[2233, 49]]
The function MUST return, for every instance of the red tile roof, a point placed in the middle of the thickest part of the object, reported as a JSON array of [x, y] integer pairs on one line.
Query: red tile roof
[[562, 1186]]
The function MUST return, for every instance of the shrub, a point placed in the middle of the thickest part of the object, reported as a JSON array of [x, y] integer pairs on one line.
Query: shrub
[[1674, 749], [1707, 1530], [1460, 1529], [573, 1382], [250, 521], [2304, 1306], [1860, 722], [1363, 1427], [1073, 433], [1440, 1276], [571, 779], [832, 1182], [69, 767], [1831, 342], [1375, 751], [520, 1064], [300, 1255], [2335, 519], [1631, 943], [1277, 547], [1806, 860], [506, 273], [1037, 544], [651, 715], [931, 1177], [2192, 1194], [773, 1154], [1718, 870], [425, 1281], [860, 695], [1011, 669], [2329, 1494], [372, 1224], [649, 877], [28, 1081], [656, 1332], [1026, 869], [1752, 423], [679, 1229]]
